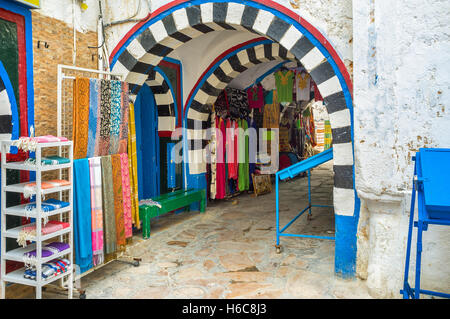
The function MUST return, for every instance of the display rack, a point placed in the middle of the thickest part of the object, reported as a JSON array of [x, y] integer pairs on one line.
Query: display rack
[[63, 214], [65, 80]]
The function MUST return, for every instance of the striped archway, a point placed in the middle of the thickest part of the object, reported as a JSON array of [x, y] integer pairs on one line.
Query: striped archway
[[180, 21], [206, 94]]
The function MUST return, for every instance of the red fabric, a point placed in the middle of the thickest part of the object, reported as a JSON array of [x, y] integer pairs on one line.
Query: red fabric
[[255, 96], [317, 95], [232, 150], [220, 159], [285, 161]]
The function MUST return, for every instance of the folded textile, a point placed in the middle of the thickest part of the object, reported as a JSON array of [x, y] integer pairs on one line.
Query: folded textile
[[49, 160], [48, 250], [149, 202], [46, 206], [28, 232], [30, 143], [30, 188], [50, 269]]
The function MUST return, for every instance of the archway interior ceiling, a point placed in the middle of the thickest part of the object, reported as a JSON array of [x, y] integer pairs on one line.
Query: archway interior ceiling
[[165, 35]]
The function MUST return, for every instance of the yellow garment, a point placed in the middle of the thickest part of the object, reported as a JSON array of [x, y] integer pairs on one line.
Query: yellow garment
[[302, 81], [271, 116], [132, 160]]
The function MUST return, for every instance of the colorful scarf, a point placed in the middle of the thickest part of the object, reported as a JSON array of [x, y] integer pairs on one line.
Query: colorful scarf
[[51, 269], [149, 202], [30, 143], [49, 160], [132, 159], [82, 227], [30, 188], [29, 258], [109, 220], [116, 89], [118, 199], [123, 138], [29, 232], [105, 118], [230, 150], [46, 207], [243, 179], [213, 150], [80, 117], [126, 195], [94, 94], [95, 172], [220, 155]]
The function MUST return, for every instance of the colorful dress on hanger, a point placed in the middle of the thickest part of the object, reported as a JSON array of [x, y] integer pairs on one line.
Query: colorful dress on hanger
[[303, 86], [255, 97], [285, 84]]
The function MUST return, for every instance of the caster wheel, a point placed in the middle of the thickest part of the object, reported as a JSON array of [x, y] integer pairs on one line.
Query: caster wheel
[[278, 249], [136, 263], [83, 296]]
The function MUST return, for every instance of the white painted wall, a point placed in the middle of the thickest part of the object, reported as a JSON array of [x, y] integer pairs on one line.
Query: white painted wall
[[405, 44]]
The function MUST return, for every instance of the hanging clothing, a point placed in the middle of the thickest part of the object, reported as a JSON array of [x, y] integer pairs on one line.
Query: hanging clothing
[[238, 103], [231, 150], [109, 219], [95, 172], [126, 192], [82, 214], [132, 163], [105, 117], [213, 150], [255, 97], [118, 199], [271, 117], [125, 104], [116, 90], [253, 149], [285, 84], [243, 156], [220, 159], [94, 101], [317, 95], [328, 135], [80, 130], [303, 86]]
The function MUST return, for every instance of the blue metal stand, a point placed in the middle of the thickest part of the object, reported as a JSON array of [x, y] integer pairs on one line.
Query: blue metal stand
[[431, 181], [291, 172]]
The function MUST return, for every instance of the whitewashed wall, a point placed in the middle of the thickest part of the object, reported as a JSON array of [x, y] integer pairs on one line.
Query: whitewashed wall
[[402, 100]]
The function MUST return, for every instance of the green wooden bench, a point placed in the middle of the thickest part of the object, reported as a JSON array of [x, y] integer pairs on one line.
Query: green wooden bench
[[170, 202]]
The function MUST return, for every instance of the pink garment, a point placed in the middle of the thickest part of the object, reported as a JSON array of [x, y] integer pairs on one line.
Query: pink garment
[[236, 152], [255, 97], [231, 150], [126, 192], [50, 139], [220, 159], [95, 172]]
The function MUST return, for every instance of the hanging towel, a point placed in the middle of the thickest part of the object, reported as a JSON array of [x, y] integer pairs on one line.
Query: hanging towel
[[82, 214], [123, 137], [109, 219], [132, 159], [126, 195], [220, 156], [94, 90], [118, 198], [80, 117], [95, 172], [116, 90], [105, 117]]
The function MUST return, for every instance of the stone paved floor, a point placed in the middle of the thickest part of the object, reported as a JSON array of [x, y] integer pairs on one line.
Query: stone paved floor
[[228, 252]]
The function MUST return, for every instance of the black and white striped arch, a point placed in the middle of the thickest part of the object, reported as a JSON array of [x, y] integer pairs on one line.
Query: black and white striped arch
[[6, 125], [184, 24]]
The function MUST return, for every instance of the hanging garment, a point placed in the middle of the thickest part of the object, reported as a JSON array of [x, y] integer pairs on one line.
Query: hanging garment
[[82, 224], [118, 199], [95, 172], [252, 149], [105, 117], [255, 97], [116, 99], [285, 84], [284, 138], [231, 150], [285, 161], [238, 103], [80, 117], [303, 86], [220, 160], [125, 103], [109, 219], [212, 150], [94, 101], [328, 135], [132, 160], [126, 195], [243, 156], [221, 106], [271, 117]]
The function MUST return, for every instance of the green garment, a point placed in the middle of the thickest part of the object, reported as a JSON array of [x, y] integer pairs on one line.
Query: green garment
[[285, 85], [243, 140]]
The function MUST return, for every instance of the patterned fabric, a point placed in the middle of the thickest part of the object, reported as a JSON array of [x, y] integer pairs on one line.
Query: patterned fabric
[[328, 135], [105, 117], [95, 172], [303, 86], [46, 207], [132, 159], [118, 199], [80, 117], [109, 219], [212, 150], [238, 103], [231, 151], [28, 232], [30, 188], [221, 106], [116, 99], [285, 83], [123, 137], [48, 250], [255, 97], [30, 143], [94, 101], [51, 269], [271, 117], [126, 195]]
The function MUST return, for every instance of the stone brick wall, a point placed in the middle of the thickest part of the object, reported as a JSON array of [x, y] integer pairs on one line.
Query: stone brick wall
[[59, 36]]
